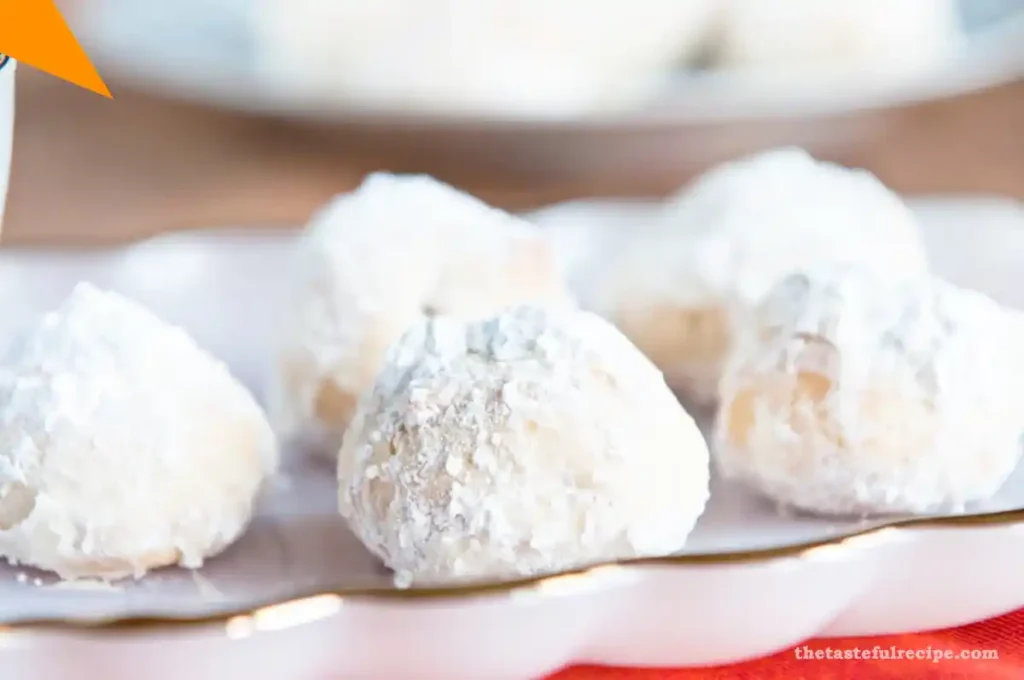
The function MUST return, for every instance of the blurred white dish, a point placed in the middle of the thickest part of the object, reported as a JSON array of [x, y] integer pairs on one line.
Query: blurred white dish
[[298, 597], [204, 50]]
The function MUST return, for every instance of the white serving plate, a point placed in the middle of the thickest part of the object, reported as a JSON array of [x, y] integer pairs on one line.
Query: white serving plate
[[203, 51], [298, 597]]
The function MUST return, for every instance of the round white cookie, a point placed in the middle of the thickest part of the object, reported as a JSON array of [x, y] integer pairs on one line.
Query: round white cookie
[[877, 37], [542, 59], [374, 262], [681, 284], [123, 446], [853, 393], [531, 442]]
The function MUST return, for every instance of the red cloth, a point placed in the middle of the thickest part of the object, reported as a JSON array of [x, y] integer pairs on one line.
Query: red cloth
[[1004, 634]]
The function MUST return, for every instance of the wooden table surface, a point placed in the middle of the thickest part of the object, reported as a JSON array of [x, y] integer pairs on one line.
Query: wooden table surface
[[89, 170]]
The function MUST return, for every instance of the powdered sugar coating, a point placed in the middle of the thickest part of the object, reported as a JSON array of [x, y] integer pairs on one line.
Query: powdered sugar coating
[[378, 260], [124, 446], [856, 393], [727, 238], [531, 442]]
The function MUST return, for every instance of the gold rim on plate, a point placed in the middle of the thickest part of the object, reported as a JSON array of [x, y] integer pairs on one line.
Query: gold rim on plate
[[313, 606]]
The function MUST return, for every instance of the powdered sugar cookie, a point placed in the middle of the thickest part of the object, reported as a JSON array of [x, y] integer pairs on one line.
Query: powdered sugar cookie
[[530, 58], [378, 260], [880, 37], [123, 446], [678, 287], [857, 393], [534, 441]]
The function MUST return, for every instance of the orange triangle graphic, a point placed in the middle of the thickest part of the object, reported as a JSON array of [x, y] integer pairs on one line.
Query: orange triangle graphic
[[35, 33]]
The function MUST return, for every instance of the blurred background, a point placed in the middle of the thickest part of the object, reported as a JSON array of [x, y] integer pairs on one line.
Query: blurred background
[[254, 112]]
